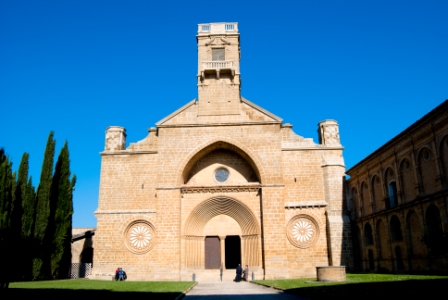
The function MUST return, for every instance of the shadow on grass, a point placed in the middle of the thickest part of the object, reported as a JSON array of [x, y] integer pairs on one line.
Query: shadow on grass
[[17, 293], [406, 289]]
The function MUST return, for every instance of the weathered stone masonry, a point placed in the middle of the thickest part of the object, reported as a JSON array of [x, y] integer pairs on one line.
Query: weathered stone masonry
[[218, 182]]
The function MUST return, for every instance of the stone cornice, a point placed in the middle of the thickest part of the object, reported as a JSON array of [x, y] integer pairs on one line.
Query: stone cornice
[[219, 189], [333, 165], [128, 152], [168, 188], [304, 204], [272, 185], [313, 148], [129, 211], [407, 205], [219, 124]]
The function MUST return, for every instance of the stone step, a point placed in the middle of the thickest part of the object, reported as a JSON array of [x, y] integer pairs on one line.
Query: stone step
[[214, 275]]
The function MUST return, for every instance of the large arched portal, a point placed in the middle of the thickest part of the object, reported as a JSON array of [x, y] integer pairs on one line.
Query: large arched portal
[[211, 223], [225, 153]]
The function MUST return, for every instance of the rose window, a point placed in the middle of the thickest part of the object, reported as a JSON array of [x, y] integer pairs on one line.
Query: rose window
[[139, 237], [302, 231]]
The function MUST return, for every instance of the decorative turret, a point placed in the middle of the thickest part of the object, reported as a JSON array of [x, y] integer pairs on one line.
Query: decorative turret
[[115, 138], [329, 133], [218, 69]]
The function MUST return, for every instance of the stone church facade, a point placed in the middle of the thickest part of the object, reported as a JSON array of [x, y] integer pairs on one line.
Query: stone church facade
[[219, 182]]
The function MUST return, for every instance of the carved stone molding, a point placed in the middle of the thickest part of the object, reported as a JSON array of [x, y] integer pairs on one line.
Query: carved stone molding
[[218, 189], [305, 204], [139, 236], [302, 231]]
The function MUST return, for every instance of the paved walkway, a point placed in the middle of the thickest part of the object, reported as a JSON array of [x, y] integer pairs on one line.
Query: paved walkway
[[236, 291]]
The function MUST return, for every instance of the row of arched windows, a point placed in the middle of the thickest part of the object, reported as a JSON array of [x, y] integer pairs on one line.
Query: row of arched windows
[[420, 240], [387, 190], [395, 231]]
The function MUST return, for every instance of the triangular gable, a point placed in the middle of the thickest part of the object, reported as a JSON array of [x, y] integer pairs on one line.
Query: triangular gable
[[177, 112], [249, 113], [267, 116]]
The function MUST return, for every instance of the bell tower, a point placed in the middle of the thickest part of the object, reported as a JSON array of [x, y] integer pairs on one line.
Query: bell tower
[[219, 80]]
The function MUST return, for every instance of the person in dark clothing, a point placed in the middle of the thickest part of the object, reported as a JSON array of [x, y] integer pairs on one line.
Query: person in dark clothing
[[239, 271], [121, 274]]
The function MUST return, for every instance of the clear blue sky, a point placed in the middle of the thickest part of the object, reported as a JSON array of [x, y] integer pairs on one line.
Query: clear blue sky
[[77, 67]]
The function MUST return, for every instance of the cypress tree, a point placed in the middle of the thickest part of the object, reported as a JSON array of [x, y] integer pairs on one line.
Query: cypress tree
[[24, 194], [6, 179], [16, 216], [29, 210], [6, 197], [28, 221], [41, 260], [62, 202]]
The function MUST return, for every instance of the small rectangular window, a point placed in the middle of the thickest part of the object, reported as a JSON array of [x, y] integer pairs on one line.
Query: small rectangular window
[[218, 54], [205, 27], [230, 27]]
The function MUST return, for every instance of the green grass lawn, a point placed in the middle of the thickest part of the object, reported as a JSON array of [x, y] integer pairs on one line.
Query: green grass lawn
[[94, 288], [366, 286]]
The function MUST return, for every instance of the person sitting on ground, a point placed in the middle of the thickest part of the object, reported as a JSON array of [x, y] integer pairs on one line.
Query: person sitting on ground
[[120, 274], [116, 273]]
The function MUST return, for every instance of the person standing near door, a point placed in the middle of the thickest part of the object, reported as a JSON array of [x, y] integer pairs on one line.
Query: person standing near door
[[239, 271], [246, 273]]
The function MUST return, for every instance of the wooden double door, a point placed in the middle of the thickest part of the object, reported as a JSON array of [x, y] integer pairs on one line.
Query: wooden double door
[[213, 252]]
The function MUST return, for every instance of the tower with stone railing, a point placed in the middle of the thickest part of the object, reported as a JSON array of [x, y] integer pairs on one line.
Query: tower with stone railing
[[166, 213], [218, 69]]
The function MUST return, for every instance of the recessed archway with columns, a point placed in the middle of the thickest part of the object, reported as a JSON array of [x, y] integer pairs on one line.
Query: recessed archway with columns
[[222, 205]]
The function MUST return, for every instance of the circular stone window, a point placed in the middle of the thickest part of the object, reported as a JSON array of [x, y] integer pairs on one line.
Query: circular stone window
[[302, 231], [139, 237], [221, 175]]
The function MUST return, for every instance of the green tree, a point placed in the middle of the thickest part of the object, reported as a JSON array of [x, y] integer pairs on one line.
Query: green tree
[[24, 220], [62, 205], [6, 198], [29, 210], [41, 260], [6, 179]]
